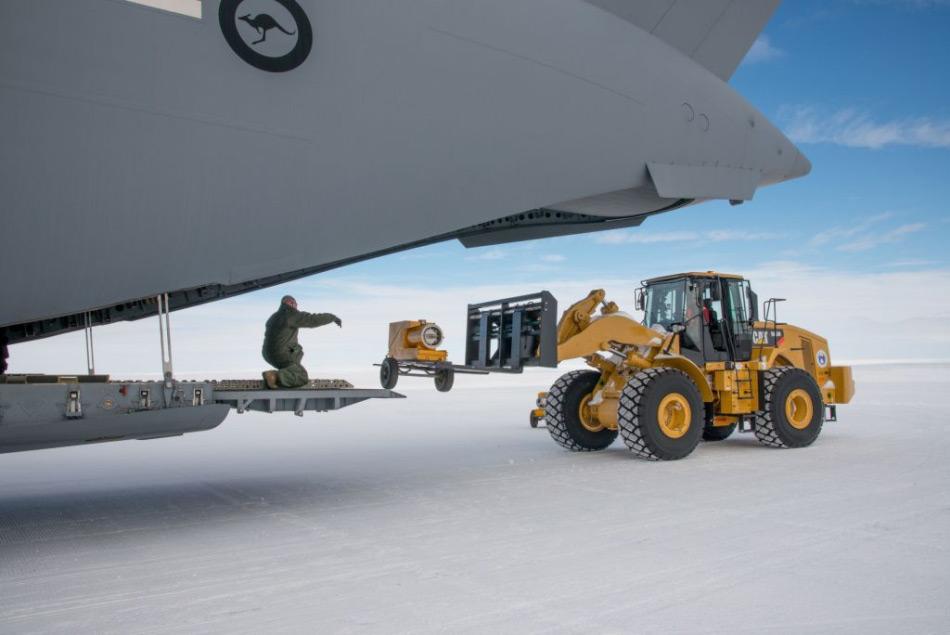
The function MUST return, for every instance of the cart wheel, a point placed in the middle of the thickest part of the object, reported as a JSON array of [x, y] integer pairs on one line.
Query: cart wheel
[[444, 379], [389, 373]]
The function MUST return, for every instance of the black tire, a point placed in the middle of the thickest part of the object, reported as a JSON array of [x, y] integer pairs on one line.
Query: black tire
[[562, 413], [772, 424], [639, 418], [718, 433], [534, 420], [444, 379], [389, 373]]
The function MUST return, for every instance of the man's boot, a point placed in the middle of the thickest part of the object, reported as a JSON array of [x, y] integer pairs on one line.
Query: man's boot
[[270, 379]]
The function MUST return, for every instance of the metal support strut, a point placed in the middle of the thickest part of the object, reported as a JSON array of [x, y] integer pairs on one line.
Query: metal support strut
[[165, 335], [90, 349]]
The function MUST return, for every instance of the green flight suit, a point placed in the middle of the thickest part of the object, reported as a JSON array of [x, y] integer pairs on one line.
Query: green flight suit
[[281, 349]]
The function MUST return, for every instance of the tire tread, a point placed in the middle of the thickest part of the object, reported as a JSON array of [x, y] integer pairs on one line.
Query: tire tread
[[554, 413], [765, 428], [627, 415]]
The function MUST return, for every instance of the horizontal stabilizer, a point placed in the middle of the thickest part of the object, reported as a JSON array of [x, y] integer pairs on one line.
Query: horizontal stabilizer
[[716, 34], [702, 181]]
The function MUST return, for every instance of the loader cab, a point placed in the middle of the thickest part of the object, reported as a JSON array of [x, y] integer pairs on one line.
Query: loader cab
[[714, 312]]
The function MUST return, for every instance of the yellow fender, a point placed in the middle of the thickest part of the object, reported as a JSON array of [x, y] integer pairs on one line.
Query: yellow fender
[[687, 366]]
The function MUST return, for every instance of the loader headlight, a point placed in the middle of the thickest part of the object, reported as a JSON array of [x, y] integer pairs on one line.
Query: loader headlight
[[542, 398], [420, 334], [432, 335]]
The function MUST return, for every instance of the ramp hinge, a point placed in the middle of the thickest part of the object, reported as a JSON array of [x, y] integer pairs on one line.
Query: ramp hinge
[[73, 405], [145, 399]]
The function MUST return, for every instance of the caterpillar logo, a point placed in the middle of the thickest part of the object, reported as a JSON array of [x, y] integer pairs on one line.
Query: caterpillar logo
[[272, 35], [767, 337]]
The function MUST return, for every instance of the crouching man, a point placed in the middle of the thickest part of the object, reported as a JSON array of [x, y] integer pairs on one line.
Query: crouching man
[[281, 349]]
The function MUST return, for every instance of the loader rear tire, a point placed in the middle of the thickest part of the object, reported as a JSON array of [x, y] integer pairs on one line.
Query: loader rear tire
[[661, 414], [718, 433], [562, 413], [792, 410]]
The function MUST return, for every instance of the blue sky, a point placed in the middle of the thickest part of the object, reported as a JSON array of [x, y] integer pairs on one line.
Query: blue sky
[[859, 247], [860, 86]]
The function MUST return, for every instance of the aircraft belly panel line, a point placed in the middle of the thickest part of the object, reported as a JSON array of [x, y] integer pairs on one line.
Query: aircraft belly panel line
[[552, 67]]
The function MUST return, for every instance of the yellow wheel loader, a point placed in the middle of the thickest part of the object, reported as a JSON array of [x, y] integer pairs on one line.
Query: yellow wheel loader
[[699, 366]]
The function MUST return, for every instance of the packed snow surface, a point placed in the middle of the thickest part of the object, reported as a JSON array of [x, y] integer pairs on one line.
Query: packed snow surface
[[446, 512]]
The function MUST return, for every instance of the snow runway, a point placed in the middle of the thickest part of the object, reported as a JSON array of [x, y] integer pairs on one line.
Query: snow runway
[[447, 513]]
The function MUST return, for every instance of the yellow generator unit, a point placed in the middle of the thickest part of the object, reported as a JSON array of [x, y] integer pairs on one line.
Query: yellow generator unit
[[414, 352], [416, 340], [699, 366]]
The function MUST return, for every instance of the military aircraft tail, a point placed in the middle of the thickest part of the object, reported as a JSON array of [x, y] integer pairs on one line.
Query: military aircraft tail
[[716, 34]]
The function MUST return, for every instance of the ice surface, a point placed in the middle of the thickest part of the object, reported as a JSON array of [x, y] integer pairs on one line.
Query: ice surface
[[446, 512]]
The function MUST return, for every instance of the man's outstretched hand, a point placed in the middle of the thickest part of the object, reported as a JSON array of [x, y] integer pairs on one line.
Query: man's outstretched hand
[[338, 321]]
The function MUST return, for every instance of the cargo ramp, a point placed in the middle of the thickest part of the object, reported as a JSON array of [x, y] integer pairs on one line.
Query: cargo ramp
[[47, 411]]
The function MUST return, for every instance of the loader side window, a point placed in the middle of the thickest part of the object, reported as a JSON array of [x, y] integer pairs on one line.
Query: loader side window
[[712, 313], [665, 304]]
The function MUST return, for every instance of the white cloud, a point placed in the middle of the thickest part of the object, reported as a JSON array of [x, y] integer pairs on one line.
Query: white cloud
[[890, 236], [860, 227], [763, 51], [865, 315], [724, 235], [911, 262], [644, 237], [866, 234], [553, 258], [488, 254], [892, 315], [639, 237], [855, 129]]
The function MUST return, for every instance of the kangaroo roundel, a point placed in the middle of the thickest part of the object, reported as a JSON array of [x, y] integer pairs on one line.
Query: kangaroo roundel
[[272, 35]]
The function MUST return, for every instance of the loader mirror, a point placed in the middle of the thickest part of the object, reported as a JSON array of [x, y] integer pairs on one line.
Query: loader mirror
[[753, 305], [639, 302]]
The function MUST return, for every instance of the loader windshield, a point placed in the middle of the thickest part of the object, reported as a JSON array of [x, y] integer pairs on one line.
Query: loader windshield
[[664, 304]]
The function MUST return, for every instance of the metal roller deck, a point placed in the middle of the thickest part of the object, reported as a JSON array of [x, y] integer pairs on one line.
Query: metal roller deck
[[45, 411], [319, 395]]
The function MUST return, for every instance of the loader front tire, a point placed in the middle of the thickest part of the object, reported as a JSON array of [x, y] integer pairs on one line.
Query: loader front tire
[[661, 414], [792, 410], [562, 413]]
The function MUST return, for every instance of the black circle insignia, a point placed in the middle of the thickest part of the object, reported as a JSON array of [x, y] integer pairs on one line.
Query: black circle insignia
[[262, 24]]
